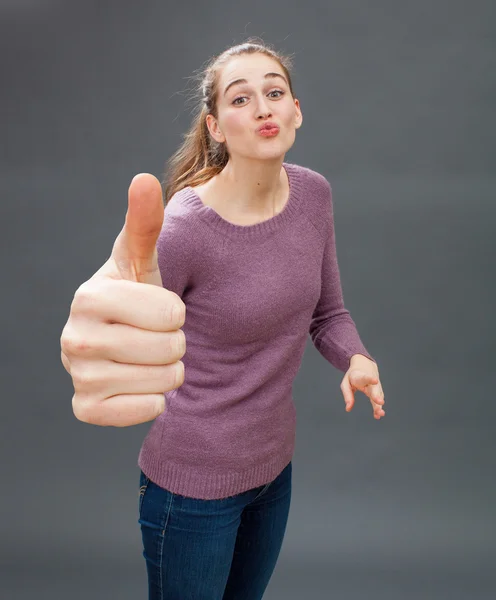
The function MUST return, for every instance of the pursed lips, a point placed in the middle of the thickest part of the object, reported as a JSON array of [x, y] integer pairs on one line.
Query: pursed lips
[[268, 126]]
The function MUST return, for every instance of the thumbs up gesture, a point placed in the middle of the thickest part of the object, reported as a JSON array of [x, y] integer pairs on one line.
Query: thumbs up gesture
[[123, 342]]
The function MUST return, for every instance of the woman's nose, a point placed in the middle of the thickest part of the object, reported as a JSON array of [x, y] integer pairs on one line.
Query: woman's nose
[[264, 113], [263, 108]]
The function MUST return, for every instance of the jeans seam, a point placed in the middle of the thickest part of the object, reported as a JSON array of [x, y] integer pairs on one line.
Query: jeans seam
[[161, 550]]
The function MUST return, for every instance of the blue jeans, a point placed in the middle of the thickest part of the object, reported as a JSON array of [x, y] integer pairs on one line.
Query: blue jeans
[[222, 549]]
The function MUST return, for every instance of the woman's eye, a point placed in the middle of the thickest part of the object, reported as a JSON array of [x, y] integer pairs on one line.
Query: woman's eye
[[235, 101]]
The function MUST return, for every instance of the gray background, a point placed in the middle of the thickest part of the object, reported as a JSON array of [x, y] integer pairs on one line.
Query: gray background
[[398, 101]]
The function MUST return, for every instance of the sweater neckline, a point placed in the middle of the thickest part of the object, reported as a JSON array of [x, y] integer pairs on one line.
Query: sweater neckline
[[208, 214]]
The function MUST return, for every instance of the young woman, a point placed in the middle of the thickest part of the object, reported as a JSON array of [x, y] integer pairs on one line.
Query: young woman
[[247, 243]]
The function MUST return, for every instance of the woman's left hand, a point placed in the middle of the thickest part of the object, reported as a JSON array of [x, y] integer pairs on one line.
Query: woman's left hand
[[363, 375]]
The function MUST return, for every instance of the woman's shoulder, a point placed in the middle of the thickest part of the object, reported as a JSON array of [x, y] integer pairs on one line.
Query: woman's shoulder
[[308, 175]]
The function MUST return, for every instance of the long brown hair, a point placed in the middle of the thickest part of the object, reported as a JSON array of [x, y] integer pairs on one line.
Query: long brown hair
[[200, 157]]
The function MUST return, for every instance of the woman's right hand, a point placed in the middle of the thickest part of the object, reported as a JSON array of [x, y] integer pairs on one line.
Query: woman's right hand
[[122, 343]]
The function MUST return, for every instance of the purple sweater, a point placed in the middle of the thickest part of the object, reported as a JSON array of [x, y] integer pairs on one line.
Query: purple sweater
[[253, 294]]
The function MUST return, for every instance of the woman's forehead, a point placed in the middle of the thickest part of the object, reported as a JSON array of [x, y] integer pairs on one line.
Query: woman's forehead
[[253, 66]]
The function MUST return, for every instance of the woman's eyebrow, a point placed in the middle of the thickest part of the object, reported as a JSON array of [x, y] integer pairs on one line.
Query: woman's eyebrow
[[266, 76]]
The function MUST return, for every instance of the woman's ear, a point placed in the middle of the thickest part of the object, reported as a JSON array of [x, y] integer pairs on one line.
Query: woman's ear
[[214, 129], [299, 114]]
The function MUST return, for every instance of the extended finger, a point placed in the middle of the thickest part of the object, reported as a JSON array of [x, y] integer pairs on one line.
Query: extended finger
[[375, 393], [377, 406], [134, 253]]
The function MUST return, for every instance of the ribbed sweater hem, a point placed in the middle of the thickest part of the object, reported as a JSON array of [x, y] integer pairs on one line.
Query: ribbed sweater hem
[[205, 483]]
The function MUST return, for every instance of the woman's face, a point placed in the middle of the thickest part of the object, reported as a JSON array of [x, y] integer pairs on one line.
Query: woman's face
[[244, 106]]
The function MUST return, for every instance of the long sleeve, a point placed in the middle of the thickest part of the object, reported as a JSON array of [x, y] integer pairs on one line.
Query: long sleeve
[[332, 329]]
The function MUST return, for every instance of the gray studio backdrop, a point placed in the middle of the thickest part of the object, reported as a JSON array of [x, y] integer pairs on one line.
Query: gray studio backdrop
[[398, 101]]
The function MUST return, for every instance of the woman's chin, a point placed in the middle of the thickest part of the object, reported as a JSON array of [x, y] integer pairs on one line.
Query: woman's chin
[[270, 150]]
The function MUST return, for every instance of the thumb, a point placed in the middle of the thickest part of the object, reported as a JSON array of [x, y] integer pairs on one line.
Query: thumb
[[134, 252]]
